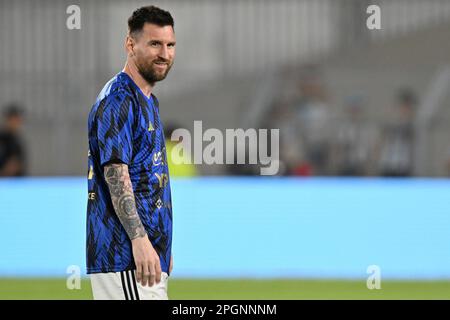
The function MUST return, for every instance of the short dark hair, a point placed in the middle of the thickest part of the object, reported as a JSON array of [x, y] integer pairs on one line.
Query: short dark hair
[[12, 110], [149, 14]]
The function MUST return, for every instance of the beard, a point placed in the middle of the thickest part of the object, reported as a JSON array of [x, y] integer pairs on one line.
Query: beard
[[150, 74]]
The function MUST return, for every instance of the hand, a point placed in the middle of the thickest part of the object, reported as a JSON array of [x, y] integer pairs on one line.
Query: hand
[[171, 264], [148, 267]]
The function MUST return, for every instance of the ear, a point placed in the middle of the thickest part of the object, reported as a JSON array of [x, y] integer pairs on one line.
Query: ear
[[129, 45]]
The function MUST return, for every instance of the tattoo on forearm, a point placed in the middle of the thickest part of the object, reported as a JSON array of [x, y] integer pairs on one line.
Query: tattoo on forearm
[[122, 196]]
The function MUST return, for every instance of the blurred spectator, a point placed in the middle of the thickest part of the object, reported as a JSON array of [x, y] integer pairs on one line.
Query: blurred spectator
[[313, 121], [185, 168], [354, 140], [246, 169], [12, 150], [397, 144], [292, 153]]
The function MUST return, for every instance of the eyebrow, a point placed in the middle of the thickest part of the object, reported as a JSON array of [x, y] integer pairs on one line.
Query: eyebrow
[[160, 42]]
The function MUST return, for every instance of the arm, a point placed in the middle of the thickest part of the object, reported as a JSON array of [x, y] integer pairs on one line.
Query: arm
[[148, 268]]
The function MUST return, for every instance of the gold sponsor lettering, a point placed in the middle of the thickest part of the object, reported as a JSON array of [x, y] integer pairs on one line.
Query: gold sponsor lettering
[[91, 173], [163, 179]]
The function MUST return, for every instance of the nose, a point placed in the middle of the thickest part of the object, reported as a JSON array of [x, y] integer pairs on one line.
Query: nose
[[164, 53]]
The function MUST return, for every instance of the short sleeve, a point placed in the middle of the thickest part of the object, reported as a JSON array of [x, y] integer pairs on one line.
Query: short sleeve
[[115, 129]]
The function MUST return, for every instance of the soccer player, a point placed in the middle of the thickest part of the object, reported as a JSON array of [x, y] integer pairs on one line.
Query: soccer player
[[129, 212]]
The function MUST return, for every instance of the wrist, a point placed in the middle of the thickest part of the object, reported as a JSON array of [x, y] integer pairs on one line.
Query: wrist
[[140, 237]]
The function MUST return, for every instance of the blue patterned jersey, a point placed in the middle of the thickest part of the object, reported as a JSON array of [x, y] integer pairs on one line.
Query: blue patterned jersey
[[124, 126]]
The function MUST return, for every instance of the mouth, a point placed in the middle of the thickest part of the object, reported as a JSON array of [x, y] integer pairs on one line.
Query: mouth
[[160, 65]]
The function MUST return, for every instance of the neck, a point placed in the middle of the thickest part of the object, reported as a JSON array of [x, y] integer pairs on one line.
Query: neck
[[134, 74]]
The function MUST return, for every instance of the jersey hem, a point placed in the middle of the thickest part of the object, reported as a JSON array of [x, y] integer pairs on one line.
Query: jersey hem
[[93, 271]]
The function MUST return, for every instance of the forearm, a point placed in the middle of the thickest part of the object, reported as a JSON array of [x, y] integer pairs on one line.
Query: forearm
[[118, 180]]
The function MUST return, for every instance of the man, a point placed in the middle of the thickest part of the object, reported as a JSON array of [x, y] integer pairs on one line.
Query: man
[[129, 214], [398, 140], [353, 143], [12, 151]]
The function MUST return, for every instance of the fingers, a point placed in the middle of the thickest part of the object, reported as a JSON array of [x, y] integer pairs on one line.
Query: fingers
[[158, 271], [152, 274], [154, 271], [148, 271], [139, 272], [146, 274]]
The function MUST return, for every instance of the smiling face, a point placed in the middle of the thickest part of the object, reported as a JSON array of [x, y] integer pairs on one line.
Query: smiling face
[[153, 51]]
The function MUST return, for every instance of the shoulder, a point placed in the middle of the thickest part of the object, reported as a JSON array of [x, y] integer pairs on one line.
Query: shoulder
[[118, 100], [117, 90]]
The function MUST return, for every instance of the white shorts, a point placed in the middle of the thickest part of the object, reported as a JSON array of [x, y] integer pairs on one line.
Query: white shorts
[[123, 286]]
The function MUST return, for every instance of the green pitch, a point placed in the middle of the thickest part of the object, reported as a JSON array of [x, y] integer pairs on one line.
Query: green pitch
[[241, 289]]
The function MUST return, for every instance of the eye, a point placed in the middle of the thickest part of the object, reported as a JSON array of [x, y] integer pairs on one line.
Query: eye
[[171, 45], [154, 44]]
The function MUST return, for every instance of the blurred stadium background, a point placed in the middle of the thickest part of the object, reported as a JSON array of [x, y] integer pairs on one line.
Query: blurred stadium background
[[363, 117]]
